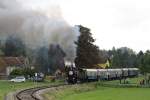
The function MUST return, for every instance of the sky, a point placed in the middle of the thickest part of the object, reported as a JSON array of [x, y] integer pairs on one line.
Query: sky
[[116, 23]]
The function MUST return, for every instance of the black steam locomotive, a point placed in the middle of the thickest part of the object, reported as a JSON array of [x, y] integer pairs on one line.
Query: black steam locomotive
[[75, 75], [71, 73]]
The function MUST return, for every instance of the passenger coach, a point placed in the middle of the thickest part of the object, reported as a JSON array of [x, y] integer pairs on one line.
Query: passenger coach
[[106, 74]]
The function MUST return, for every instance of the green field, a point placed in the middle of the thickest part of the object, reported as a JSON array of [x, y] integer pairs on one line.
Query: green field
[[91, 91], [6, 86], [97, 91], [112, 94]]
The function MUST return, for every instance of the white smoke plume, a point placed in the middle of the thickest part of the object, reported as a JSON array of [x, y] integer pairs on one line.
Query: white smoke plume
[[37, 27]]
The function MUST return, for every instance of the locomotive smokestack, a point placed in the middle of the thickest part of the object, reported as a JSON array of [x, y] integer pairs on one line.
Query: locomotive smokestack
[[69, 63]]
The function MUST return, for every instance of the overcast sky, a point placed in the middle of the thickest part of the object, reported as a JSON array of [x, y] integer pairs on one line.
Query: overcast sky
[[113, 22], [116, 23]]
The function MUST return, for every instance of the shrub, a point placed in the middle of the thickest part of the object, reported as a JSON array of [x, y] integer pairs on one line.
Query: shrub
[[16, 72], [27, 72]]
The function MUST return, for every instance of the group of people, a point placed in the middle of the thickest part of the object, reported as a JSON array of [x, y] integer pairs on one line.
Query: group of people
[[145, 81]]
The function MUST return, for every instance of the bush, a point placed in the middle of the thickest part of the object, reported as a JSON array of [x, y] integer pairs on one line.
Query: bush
[[27, 72], [16, 72]]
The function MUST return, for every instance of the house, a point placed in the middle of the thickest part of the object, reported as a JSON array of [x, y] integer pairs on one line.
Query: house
[[103, 65], [7, 64]]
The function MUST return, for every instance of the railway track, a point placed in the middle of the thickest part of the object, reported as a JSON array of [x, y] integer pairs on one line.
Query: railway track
[[29, 94]]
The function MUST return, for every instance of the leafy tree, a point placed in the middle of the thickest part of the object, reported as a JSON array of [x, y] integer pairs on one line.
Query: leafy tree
[[28, 72], [16, 72], [104, 54], [48, 60], [23, 71], [14, 47], [145, 62], [56, 57], [1, 52], [139, 59], [123, 57], [87, 53], [42, 60]]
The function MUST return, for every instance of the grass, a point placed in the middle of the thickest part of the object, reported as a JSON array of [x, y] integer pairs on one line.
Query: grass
[[106, 93], [6, 86], [63, 92], [97, 91]]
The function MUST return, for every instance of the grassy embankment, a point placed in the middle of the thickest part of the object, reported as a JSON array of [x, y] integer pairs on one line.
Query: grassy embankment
[[6, 86], [98, 91]]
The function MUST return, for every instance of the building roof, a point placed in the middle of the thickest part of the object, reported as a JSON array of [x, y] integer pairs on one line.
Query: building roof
[[12, 61], [103, 65]]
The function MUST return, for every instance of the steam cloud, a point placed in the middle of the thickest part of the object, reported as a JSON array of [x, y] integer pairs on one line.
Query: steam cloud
[[37, 28]]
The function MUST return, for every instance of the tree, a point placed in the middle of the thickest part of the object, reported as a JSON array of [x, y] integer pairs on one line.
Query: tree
[[87, 53], [48, 60], [42, 60], [23, 71], [56, 57], [123, 57], [145, 62], [139, 59], [16, 72], [28, 72], [1, 52], [14, 47]]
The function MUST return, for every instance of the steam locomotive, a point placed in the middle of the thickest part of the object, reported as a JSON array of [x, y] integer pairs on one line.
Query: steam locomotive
[[71, 73], [75, 75]]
